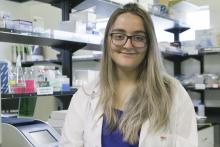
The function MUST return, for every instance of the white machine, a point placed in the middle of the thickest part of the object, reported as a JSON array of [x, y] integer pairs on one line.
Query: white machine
[[25, 132]]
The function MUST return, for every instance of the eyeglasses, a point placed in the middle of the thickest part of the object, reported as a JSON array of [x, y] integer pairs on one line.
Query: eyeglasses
[[120, 39]]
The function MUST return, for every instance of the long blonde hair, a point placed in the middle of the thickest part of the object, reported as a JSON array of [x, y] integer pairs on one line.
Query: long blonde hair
[[152, 97]]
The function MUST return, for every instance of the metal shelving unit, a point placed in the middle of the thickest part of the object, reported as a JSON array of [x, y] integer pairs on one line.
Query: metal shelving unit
[[65, 46], [178, 59]]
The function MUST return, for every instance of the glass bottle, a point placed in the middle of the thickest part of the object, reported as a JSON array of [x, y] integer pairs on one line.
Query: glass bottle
[[27, 103], [29, 80], [20, 84], [11, 79]]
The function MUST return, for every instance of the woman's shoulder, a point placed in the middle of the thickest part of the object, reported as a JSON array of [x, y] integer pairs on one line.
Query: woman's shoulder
[[91, 87], [179, 94], [176, 88], [172, 82], [87, 91], [85, 94]]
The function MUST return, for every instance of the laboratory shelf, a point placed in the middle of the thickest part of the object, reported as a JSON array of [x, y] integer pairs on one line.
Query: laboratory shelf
[[65, 42], [192, 88], [180, 56], [42, 62], [85, 58], [57, 62], [185, 55], [43, 39], [26, 95], [177, 60]]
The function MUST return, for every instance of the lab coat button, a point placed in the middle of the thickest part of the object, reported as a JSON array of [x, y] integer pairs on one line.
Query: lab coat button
[[93, 95]]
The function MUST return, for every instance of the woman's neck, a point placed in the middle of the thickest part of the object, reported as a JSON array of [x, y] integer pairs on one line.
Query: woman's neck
[[128, 76], [124, 90], [125, 85]]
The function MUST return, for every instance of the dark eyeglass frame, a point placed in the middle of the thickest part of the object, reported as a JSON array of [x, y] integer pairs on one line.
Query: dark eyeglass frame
[[128, 37]]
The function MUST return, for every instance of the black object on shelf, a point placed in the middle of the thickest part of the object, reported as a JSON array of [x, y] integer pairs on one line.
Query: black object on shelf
[[176, 30], [178, 59]]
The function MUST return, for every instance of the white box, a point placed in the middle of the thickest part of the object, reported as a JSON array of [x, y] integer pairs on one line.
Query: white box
[[83, 77], [83, 16], [73, 26], [2, 23], [23, 25], [85, 21]]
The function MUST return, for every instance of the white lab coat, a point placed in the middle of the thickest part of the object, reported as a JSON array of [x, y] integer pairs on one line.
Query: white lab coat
[[83, 123]]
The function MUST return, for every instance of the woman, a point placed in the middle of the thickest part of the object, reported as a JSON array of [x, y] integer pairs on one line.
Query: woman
[[133, 103]]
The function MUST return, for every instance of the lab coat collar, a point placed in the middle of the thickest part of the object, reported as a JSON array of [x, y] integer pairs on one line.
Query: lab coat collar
[[96, 109], [94, 92]]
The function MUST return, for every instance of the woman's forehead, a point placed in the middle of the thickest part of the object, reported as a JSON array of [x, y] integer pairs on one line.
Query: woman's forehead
[[128, 22]]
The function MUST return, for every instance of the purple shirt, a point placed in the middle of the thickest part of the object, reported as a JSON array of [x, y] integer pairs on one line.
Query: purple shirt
[[114, 138]]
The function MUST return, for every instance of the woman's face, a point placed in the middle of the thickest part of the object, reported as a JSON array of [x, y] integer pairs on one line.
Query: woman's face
[[127, 52]]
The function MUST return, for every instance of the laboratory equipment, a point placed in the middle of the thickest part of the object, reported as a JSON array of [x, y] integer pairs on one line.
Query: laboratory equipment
[[26, 132]]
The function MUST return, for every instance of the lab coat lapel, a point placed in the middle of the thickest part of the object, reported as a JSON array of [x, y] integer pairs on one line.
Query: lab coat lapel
[[97, 120], [143, 134], [97, 111]]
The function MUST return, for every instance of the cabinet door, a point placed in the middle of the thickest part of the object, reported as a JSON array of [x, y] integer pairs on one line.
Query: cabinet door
[[206, 137]]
